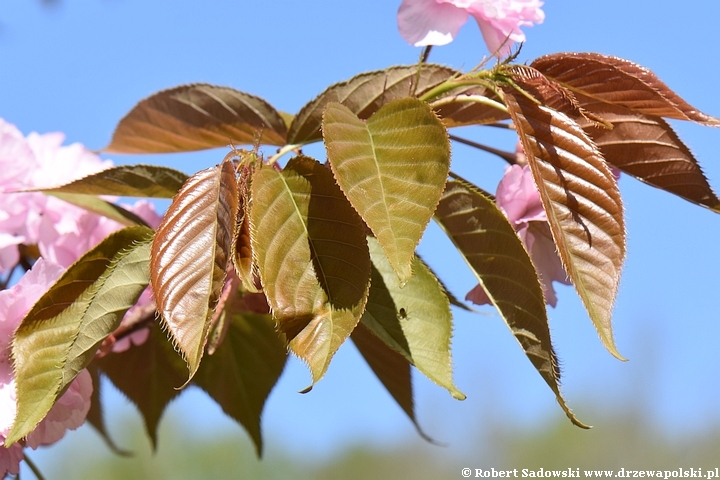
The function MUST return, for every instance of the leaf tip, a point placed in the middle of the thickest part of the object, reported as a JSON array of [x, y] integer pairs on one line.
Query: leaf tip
[[610, 346], [458, 395], [573, 418]]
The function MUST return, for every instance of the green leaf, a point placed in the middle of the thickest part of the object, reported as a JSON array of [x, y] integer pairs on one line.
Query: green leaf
[[147, 375], [391, 368], [197, 117], [243, 370], [127, 181], [312, 258], [101, 207], [190, 257], [392, 168], [414, 320], [497, 257], [582, 201], [364, 95], [62, 332]]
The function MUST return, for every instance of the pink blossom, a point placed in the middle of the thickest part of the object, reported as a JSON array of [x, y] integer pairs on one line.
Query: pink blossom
[[37, 161], [62, 232], [437, 22], [519, 199], [10, 459], [70, 410]]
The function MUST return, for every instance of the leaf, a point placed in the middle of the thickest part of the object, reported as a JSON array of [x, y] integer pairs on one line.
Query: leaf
[[550, 93], [242, 248], [147, 375], [414, 319], [456, 110], [648, 149], [582, 201], [96, 417], [63, 330], [451, 298], [621, 82], [364, 94], [391, 368], [392, 169], [127, 181], [497, 257], [190, 256], [197, 117], [244, 369], [312, 257], [101, 207]]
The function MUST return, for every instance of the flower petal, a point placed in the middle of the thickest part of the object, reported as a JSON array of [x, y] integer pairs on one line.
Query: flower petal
[[500, 22], [518, 197], [427, 22]]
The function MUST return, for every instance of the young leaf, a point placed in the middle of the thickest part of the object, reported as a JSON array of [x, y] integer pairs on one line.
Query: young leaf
[[364, 95], [127, 181], [392, 168], [197, 117], [243, 370], [391, 368], [497, 257], [550, 94], [61, 333], [414, 319], [242, 248], [621, 82], [190, 255], [312, 257], [147, 375], [582, 201], [648, 149]]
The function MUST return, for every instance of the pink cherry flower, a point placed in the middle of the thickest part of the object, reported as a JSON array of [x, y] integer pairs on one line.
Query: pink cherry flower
[[38, 161], [10, 459], [62, 232], [519, 199], [437, 22], [72, 407]]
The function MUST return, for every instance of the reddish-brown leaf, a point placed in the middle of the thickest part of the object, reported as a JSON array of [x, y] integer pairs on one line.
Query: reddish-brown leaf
[[367, 92], [197, 117], [190, 255], [616, 80], [364, 95], [550, 94], [648, 149], [582, 201], [242, 248]]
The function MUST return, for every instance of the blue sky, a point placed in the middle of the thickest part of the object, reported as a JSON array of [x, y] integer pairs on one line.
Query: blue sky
[[79, 67]]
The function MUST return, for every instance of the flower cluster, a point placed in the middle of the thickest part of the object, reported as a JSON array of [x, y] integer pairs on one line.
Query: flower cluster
[[32, 225], [437, 22]]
